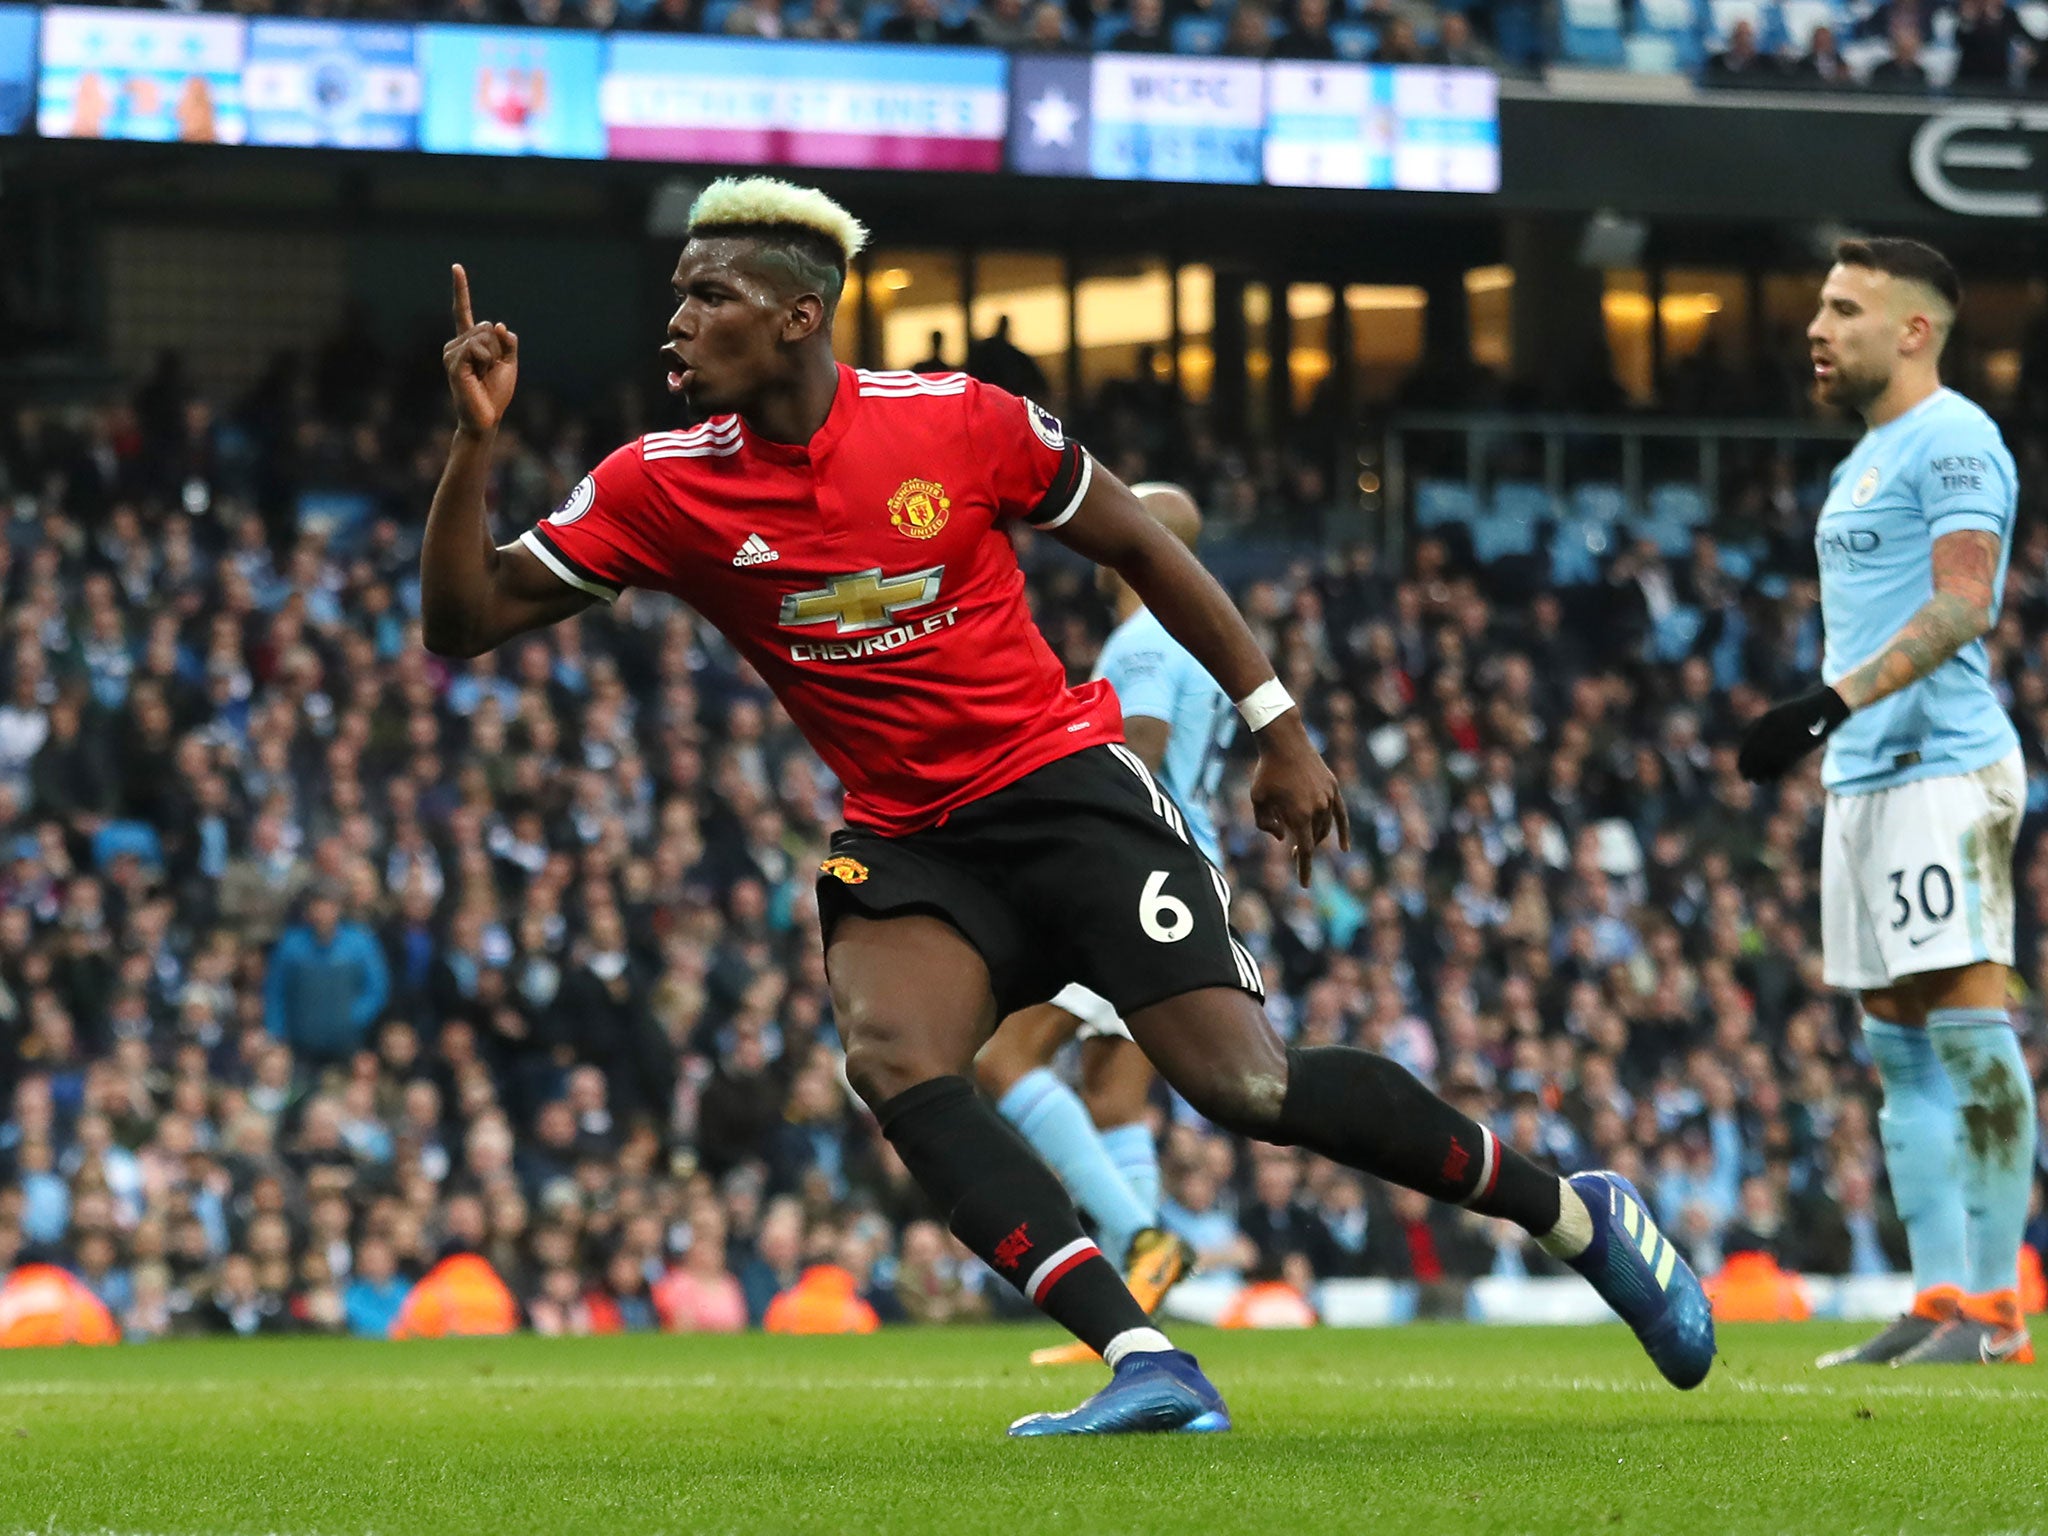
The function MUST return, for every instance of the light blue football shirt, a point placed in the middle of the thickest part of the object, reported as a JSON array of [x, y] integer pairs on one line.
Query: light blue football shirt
[[1154, 676], [1940, 468]]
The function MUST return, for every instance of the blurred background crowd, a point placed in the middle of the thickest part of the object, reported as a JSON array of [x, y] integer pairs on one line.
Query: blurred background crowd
[[322, 959], [1969, 46]]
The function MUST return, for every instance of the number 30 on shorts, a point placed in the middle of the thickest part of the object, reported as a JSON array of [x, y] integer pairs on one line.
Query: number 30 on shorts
[[1936, 889], [1165, 919]]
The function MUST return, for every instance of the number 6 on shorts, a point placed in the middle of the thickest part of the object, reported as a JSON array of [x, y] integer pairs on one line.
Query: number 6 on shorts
[[1165, 919]]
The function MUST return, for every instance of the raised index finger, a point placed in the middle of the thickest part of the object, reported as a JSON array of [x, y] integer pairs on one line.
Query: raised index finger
[[463, 320]]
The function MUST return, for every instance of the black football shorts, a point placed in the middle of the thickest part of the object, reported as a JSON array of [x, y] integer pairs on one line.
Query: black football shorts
[[1081, 871]]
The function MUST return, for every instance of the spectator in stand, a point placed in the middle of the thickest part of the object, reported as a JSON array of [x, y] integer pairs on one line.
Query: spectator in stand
[[700, 1295], [934, 360], [375, 1291], [826, 21], [1903, 71], [1146, 32], [1398, 43], [1048, 28], [996, 359], [1742, 62], [1822, 64], [326, 985], [1458, 46], [755, 18], [930, 1279], [1002, 24], [1994, 51], [669, 16], [1250, 34], [1308, 37], [920, 21]]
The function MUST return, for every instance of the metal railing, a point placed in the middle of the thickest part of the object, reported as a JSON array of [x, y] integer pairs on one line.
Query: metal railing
[[1486, 435]]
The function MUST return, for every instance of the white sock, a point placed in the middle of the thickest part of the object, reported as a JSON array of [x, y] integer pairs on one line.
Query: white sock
[[1573, 1234], [1135, 1341]]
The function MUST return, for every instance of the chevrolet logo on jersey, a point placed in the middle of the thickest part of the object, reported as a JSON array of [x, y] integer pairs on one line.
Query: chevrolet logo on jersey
[[863, 600]]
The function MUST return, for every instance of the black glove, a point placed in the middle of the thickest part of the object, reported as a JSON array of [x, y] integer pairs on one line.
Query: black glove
[[1786, 732]]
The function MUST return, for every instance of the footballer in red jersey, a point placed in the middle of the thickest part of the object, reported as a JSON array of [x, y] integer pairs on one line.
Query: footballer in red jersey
[[848, 533]]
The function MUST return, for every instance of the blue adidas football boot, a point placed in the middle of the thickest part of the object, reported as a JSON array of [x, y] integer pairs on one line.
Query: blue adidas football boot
[[1159, 1392], [1638, 1273]]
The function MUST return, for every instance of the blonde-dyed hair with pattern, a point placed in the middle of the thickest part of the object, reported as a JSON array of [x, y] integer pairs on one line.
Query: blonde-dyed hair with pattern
[[760, 200]]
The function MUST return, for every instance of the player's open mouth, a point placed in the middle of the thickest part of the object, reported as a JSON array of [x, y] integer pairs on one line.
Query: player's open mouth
[[1822, 368]]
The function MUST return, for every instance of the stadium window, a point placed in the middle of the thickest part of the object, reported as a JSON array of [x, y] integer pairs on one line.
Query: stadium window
[[1991, 336], [1705, 309], [1308, 340], [1123, 320], [1387, 327], [1197, 304], [1625, 308], [846, 325], [1258, 356], [1490, 301], [1030, 291], [915, 295]]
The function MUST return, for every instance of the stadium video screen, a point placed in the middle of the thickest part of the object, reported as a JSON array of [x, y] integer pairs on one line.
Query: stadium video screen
[[511, 91], [827, 104], [347, 84], [1125, 117], [126, 74], [116, 74], [17, 66], [1372, 126]]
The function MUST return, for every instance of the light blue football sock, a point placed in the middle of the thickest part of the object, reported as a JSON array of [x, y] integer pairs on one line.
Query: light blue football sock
[[1051, 1116], [1995, 1113], [1136, 1157], [1921, 1154]]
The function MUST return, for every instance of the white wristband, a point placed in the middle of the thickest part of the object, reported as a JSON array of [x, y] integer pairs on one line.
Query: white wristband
[[1265, 704]]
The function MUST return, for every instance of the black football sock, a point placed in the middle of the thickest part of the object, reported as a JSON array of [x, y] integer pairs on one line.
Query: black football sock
[[1005, 1204], [1374, 1115]]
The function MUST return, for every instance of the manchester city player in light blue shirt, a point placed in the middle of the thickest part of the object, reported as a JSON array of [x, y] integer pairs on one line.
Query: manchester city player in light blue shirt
[[1925, 790], [1177, 725]]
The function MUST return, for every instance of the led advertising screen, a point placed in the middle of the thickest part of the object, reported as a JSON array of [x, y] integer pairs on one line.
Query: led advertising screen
[[17, 66], [115, 74], [1381, 127], [745, 102], [511, 91], [1129, 117], [353, 85]]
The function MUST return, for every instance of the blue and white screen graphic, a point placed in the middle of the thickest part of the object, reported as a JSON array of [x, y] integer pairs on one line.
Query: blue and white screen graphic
[[348, 84]]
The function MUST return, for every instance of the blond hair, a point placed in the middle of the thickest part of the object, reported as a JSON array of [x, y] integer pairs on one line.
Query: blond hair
[[734, 202]]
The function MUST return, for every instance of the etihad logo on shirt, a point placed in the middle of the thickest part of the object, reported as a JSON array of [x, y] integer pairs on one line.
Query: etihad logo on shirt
[[867, 601]]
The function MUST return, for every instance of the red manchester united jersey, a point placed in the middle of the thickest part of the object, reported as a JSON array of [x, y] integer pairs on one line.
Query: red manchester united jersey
[[867, 574]]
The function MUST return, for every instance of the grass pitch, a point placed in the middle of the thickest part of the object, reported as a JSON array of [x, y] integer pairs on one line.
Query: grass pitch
[[1422, 1429]]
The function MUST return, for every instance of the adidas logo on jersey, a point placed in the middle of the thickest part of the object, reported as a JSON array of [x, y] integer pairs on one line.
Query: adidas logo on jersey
[[755, 552]]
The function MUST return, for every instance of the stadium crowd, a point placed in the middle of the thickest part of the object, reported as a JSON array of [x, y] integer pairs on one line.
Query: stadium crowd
[[1916, 46], [322, 959]]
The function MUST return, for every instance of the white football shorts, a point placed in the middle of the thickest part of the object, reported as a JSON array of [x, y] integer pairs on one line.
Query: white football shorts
[[1097, 1014], [1919, 878]]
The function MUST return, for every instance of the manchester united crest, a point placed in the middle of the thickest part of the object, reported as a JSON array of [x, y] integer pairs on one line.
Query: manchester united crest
[[848, 871], [919, 508]]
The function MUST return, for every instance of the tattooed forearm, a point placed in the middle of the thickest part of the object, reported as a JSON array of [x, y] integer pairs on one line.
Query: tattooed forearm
[[1965, 570]]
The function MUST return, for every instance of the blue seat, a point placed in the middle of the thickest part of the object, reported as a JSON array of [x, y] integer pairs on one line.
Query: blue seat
[[1676, 23], [1680, 503], [1577, 552], [1518, 32], [1354, 40], [1599, 502], [1198, 34], [713, 18], [1672, 538], [1523, 500], [1589, 32], [1438, 502], [1496, 536], [121, 837], [1671, 637], [1107, 29], [1738, 561]]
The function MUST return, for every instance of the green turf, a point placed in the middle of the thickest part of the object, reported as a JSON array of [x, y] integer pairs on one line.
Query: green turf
[[1411, 1430]]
